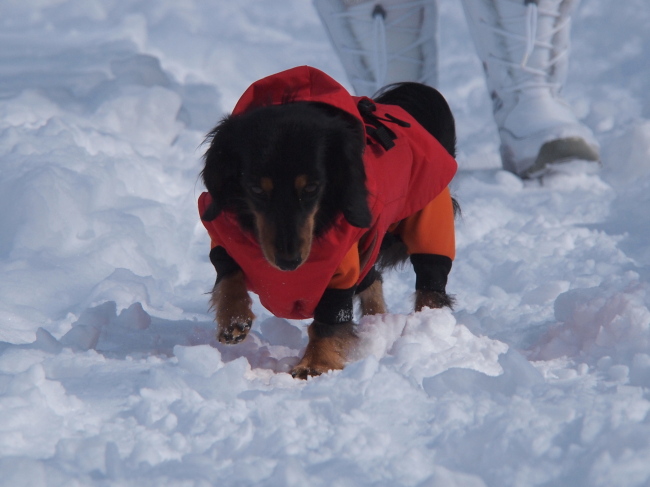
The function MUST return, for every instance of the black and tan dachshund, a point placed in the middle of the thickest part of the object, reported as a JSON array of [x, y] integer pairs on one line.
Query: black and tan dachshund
[[291, 176]]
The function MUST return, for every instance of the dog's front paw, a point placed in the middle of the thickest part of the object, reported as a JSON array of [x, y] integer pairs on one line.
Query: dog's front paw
[[328, 349], [304, 371], [235, 332], [432, 299], [232, 304]]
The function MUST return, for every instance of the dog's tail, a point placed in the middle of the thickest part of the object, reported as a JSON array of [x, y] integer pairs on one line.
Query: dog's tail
[[427, 106]]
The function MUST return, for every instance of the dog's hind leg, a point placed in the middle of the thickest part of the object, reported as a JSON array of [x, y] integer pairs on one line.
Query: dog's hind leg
[[372, 299], [432, 299], [232, 304]]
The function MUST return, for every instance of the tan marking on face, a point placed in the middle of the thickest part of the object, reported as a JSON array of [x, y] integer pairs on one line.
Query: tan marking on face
[[265, 236], [266, 233], [306, 235], [266, 184], [300, 183]]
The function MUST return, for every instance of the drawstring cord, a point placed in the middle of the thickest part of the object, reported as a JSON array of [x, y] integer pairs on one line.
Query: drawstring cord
[[381, 52], [531, 31], [379, 55], [531, 40]]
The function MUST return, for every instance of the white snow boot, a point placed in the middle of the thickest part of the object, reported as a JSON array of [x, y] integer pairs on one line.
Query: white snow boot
[[524, 47], [383, 41]]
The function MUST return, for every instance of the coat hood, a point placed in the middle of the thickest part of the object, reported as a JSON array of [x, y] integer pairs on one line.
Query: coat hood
[[302, 83]]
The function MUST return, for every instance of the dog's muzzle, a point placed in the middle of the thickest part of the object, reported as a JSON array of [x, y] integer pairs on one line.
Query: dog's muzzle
[[288, 264]]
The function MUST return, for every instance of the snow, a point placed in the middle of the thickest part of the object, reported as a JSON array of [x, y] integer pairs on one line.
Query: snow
[[109, 369]]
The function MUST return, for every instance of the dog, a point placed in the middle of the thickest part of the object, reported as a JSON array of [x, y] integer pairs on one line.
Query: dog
[[312, 193]]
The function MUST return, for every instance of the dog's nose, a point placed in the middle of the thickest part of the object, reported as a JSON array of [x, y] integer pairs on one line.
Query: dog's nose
[[288, 264]]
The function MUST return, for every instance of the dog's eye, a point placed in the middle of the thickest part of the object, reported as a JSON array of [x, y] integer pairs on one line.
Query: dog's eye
[[310, 189]]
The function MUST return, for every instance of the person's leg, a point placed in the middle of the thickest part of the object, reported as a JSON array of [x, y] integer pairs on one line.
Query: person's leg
[[524, 47], [383, 42]]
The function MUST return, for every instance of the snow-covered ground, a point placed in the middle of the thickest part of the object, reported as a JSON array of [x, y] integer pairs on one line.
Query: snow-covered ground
[[109, 372]]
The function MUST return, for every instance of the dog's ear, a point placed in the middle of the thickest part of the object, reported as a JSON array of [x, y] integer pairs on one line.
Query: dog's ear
[[211, 212], [355, 205], [350, 175], [222, 167]]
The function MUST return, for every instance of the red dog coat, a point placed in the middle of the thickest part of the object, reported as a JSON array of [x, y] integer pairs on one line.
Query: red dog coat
[[403, 182]]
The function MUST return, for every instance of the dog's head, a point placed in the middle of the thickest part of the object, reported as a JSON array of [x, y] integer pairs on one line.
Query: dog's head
[[287, 171]]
